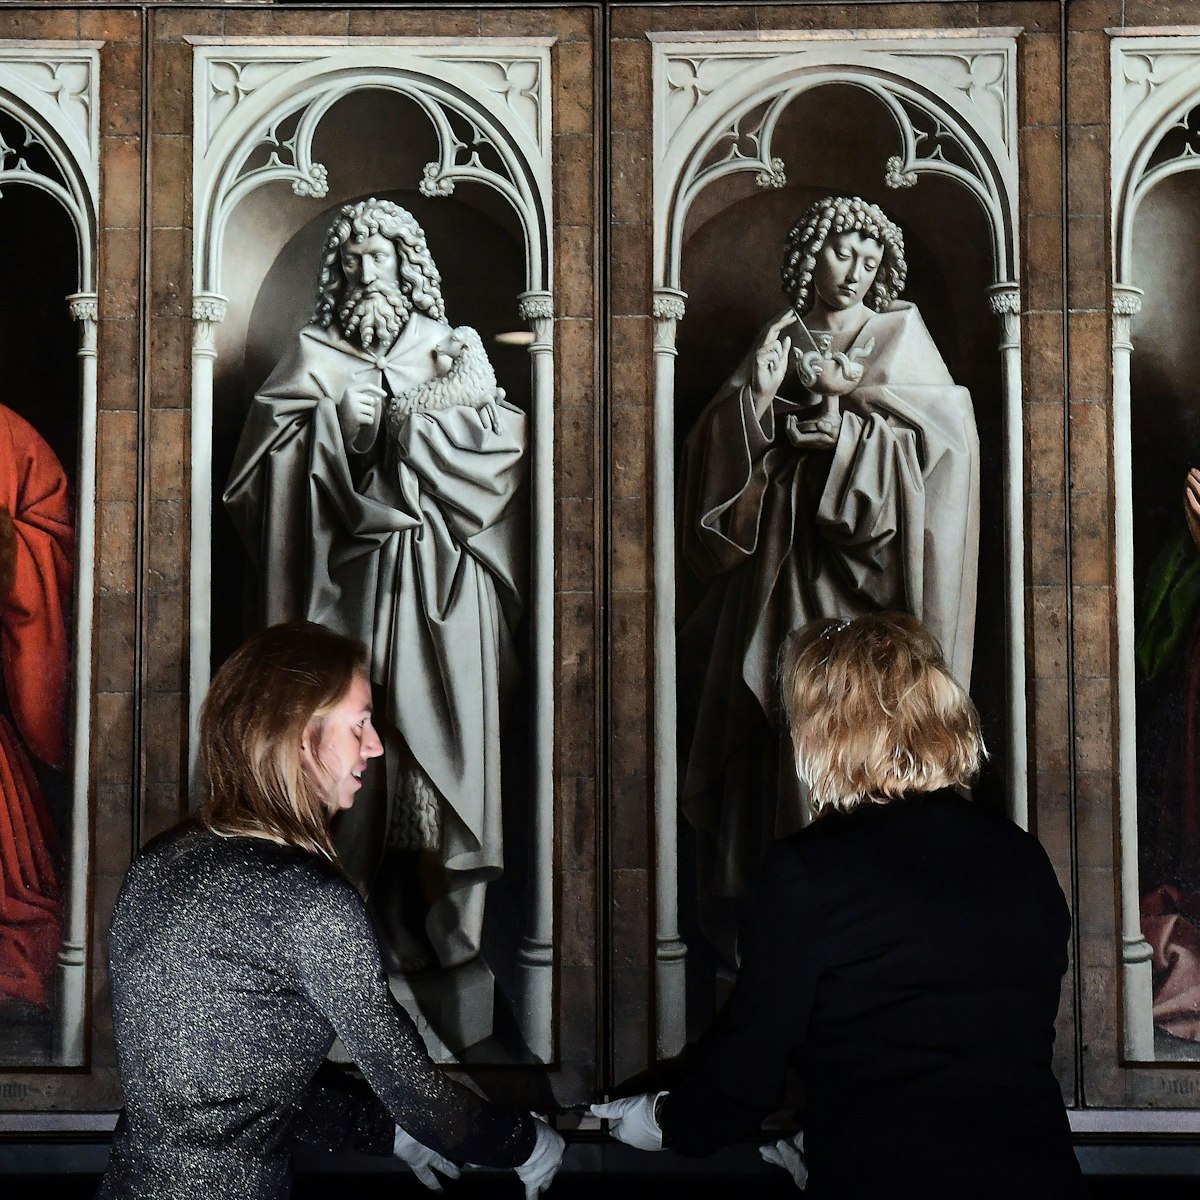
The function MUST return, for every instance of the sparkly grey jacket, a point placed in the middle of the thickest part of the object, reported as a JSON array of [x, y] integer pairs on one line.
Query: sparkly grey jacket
[[234, 962]]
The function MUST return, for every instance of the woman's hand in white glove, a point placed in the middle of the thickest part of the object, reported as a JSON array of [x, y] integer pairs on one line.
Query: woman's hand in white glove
[[632, 1120], [423, 1161], [538, 1170], [788, 1153]]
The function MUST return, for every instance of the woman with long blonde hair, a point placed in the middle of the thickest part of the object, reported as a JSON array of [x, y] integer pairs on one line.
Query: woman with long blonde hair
[[904, 952], [239, 950]]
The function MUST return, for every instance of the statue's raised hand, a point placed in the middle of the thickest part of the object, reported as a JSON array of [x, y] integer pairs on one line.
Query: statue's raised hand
[[358, 414], [1191, 504], [771, 363]]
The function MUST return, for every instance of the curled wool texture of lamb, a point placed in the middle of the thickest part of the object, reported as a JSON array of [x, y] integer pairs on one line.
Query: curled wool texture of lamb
[[416, 822], [470, 380]]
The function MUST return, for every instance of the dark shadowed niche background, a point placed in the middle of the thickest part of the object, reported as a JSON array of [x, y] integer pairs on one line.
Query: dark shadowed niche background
[[375, 142], [835, 140]]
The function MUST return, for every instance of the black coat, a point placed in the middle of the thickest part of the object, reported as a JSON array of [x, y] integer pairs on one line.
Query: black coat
[[906, 959]]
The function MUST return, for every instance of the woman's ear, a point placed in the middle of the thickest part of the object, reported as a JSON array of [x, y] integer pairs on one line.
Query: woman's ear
[[309, 740]]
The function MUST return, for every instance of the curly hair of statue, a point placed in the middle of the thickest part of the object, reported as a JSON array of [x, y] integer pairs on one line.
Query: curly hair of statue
[[834, 215], [419, 279]]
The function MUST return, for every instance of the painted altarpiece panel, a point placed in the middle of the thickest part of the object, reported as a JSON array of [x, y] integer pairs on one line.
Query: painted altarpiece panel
[[49, 192], [458, 134], [1156, 431], [748, 134]]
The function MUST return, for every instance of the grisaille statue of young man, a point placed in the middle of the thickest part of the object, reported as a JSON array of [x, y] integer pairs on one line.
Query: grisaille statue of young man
[[836, 473], [375, 487]]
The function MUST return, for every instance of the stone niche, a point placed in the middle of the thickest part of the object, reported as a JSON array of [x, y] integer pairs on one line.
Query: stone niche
[[458, 137], [751, 133], [49, 181]]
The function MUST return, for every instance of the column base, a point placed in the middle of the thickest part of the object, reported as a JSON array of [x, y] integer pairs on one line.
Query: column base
[[1137, 1001]]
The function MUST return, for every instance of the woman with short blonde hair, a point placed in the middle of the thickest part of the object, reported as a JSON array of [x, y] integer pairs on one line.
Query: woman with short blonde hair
[[903, 954], [874, 712]]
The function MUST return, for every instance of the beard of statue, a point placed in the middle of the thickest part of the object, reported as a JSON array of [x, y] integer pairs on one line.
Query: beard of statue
[[374, 314]]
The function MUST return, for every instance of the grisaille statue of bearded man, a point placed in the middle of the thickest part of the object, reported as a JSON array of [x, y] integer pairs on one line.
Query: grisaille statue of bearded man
[[375, 488], [836, 473]]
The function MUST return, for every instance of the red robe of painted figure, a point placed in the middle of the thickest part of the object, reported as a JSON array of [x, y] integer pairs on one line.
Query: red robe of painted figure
[[37, 551]]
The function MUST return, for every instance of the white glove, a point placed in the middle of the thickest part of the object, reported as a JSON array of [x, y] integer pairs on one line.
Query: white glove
[[788, 1153], [538, 1170], [423, 1161], [632, 1120]]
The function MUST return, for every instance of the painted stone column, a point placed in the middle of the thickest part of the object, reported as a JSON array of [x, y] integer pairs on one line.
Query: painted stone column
[[670, 954], [1005, 302], [69, 1049], [1135, 950], [208, 311], [535, 956]]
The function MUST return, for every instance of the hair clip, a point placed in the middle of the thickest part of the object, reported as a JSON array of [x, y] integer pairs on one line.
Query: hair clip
[[835, 627]]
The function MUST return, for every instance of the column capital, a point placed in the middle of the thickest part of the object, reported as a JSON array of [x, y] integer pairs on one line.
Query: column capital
[[1126, 304], [84, 306], [536, 306], [1004, 299], [1127, 300], [209, 307], [669, 304], [538, 309]]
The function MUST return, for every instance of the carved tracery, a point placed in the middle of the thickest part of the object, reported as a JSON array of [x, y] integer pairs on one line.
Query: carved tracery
[[953, 105], [259, 106], [24, 156]]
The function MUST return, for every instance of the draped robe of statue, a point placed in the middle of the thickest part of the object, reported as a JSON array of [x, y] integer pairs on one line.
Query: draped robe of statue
[[413, 546], [35, 656], [888, 518]]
